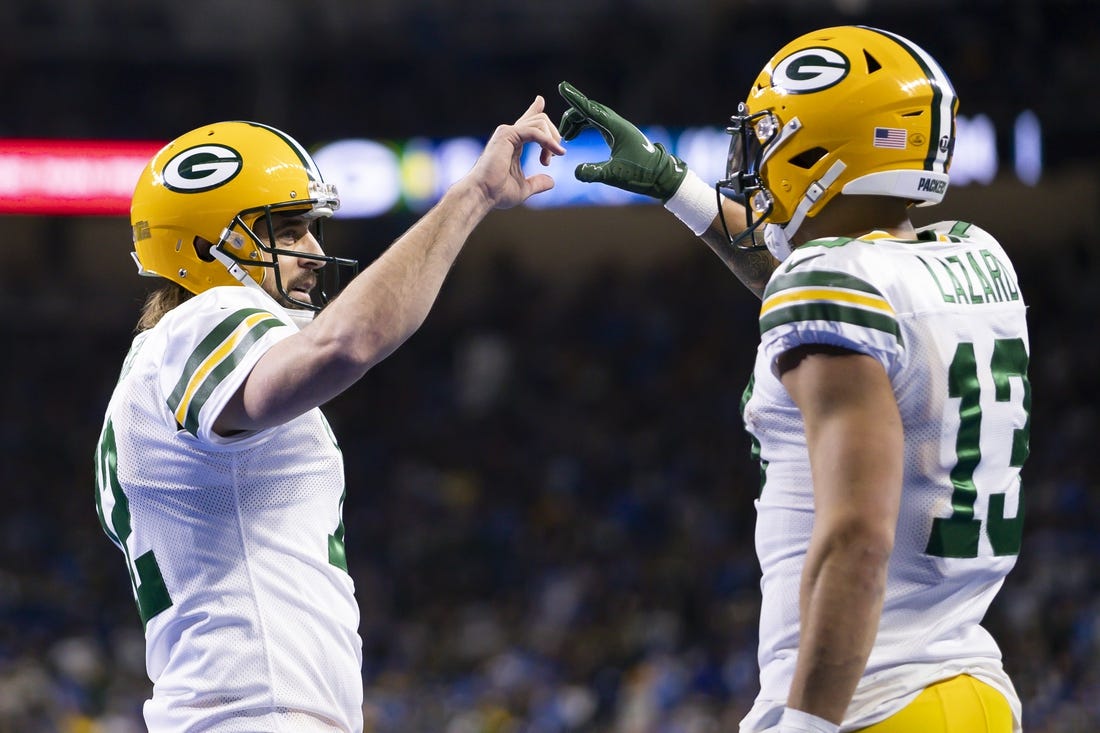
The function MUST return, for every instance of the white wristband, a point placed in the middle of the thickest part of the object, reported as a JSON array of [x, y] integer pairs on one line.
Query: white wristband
[[797, 721], [694, 203]]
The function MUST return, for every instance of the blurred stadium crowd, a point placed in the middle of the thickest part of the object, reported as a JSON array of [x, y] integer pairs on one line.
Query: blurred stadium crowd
[[388, 69], [549, 516]]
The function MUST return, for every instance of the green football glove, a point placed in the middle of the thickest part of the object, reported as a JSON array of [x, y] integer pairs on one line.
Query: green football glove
[[635, 165]]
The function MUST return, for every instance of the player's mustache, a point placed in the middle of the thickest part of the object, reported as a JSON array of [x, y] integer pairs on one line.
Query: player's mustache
[[304, 282]]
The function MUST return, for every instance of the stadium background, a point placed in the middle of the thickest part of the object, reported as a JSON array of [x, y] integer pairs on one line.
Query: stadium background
[[549, 513]]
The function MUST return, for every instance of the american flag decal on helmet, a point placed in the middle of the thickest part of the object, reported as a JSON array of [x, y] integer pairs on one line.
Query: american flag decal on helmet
[[889, 137]]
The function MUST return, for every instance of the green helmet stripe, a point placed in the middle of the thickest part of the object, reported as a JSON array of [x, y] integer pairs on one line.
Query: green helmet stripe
[[303, 154], [944, 103]]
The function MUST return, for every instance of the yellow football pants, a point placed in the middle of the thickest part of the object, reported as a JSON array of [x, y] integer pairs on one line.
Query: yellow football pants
[[961, 704]]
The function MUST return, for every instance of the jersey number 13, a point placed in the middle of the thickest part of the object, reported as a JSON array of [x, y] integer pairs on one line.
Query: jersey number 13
[[958, 535]]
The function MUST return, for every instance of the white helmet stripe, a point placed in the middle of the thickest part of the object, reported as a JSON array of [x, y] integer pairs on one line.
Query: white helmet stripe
[[944, 102]]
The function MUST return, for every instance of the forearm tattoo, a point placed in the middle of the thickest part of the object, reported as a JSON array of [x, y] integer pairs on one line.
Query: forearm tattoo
[[752, 267]]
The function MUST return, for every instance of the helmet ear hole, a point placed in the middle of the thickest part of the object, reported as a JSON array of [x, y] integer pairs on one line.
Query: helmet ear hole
[[808, 158], [202, 249]]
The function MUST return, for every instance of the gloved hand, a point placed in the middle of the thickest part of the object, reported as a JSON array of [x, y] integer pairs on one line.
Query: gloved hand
[[635, 165]]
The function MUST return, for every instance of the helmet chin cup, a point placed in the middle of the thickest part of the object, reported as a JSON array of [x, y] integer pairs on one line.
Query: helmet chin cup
[[775, 238]]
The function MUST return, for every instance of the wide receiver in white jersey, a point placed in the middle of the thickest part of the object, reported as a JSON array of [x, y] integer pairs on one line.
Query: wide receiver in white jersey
[[889, 403], [218, 476]]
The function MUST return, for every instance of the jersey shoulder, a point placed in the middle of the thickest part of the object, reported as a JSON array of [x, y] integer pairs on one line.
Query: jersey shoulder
[[904, 272], [213, 304], [833, 292], [838, 270], [958, 232], [209, 344], [206, 323]]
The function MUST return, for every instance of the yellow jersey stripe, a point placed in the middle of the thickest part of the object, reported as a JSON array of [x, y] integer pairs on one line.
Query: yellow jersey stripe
[[214, 359], [835, 295]]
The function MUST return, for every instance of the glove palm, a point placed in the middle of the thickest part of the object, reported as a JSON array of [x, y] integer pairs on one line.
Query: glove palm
[[635, 164]]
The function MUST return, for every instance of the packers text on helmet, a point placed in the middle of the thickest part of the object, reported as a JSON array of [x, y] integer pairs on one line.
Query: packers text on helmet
[[848, 110]]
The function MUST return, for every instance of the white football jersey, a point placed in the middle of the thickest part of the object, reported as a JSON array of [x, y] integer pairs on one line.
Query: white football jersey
[[945, 317], [234, 545]]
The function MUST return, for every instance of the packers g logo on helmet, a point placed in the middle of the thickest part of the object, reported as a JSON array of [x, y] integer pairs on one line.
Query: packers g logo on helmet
[[211, 185], [810, 70], [848, 110], [201, 168]]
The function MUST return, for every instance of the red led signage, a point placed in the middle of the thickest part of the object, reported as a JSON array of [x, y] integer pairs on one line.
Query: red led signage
[[72, 177]]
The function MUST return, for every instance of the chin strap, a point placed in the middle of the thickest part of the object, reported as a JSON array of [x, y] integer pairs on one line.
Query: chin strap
[[300, 317], [778, 236], [233, 267], [141, 269]]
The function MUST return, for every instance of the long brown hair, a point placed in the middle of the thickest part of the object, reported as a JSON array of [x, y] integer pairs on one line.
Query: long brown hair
[[159, 302]]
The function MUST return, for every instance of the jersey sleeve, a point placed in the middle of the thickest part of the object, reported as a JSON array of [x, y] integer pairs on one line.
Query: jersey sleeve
[[830, 297], [212, 345]]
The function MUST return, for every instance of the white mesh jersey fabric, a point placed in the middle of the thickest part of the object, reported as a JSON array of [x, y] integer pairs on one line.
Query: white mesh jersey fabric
[[945, 317], [235, 546]]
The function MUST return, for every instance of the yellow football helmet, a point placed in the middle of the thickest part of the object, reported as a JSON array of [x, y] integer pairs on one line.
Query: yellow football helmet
[[215, 183], [851, 110]]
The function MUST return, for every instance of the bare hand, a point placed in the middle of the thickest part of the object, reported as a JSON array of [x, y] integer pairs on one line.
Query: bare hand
[[498, 171]]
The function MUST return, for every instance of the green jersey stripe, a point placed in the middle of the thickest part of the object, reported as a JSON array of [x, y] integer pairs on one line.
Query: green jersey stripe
[[754, 447], [107, 478], [223, 369], [818, 278], [746, 395], [120, 515], [829, 312], [146, 580], [204, 349]]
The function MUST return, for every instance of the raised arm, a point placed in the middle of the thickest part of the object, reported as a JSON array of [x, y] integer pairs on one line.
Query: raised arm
[[389, 300], [637, 165]]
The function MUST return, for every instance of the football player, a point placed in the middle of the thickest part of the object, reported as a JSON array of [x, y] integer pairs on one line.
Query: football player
[[218, 476], [889, 404]]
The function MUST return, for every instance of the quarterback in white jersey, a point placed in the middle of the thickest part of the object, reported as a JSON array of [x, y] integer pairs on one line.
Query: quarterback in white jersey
[[944, 316], [218, 476], [890, 400], [235, 543]]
